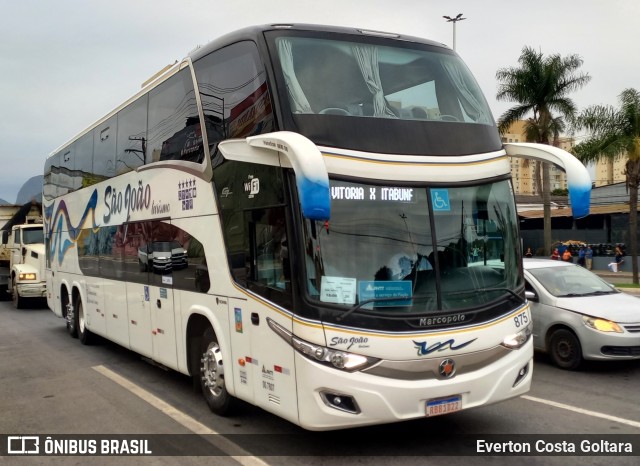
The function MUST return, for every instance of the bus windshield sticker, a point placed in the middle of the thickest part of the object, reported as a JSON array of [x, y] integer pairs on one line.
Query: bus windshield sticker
[[381, 290], [440, 200], [338, 290]]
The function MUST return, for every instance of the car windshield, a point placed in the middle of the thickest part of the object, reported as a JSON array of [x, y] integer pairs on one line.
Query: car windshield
[[571, 281], [33, 235], [165, 246], [414, 249]]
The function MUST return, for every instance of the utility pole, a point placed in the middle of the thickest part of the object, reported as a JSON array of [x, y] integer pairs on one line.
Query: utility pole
[[454, 21]]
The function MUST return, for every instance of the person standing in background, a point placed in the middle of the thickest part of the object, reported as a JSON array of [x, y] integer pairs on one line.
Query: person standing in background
[[588, 257]]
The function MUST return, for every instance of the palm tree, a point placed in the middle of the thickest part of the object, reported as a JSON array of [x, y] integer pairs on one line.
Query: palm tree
[[540, 85], [615, 133]]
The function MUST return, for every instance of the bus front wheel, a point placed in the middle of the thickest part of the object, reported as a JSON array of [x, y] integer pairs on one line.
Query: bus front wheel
[[212, 375]]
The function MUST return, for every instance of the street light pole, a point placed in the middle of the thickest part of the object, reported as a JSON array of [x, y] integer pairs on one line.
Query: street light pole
[[454, 21]]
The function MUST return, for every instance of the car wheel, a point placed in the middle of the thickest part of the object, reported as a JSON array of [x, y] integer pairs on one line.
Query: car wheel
[[565, 349], [212, 375]]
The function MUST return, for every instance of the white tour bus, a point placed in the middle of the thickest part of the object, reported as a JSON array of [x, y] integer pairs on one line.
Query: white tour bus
[[319, 221]]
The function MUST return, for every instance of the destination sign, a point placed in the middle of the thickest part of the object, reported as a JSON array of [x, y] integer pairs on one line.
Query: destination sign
[[373, 193]]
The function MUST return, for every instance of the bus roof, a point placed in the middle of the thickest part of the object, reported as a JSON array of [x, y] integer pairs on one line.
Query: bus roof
[[256, 32]]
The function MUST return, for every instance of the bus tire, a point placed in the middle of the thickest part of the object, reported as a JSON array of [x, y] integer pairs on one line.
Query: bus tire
[[84, 334], [212, 375], [565, 349], [70, 316]]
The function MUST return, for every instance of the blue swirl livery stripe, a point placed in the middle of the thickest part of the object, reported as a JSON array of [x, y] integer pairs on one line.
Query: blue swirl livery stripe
[[61, 221]]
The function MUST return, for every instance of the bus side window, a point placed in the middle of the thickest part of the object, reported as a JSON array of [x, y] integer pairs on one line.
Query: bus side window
[[132, 136], [173, 123]]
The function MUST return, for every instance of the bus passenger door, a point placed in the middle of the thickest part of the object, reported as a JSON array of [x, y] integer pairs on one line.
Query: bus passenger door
[[269, 275]]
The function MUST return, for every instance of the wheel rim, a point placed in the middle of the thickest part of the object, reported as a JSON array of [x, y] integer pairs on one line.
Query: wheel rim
[[565, 350], [80, 313], [70, 315], [212, 370]]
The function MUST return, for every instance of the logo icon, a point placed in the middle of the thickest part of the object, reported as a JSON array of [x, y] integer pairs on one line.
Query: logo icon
[[424, 348], [447, 368], [23, 445]]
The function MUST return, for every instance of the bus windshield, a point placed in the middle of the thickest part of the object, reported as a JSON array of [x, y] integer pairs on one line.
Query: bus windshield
[[383, 247], [348, 78]]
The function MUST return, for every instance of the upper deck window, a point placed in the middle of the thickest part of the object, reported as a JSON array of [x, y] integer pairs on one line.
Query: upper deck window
[[368, 80]]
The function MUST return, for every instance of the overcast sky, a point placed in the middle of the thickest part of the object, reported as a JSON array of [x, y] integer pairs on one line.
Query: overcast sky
[[66, 63]]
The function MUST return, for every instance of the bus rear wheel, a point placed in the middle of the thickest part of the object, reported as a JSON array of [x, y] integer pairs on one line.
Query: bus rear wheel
[[212, 375], [70, 315], [84, 334]]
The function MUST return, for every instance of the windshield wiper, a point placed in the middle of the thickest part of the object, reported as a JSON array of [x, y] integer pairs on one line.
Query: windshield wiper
[[590, 293], [486, 290], [399, 298], [368, 301]]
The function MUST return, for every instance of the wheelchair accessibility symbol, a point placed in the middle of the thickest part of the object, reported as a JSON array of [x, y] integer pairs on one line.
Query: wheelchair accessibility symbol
[[440, 200]]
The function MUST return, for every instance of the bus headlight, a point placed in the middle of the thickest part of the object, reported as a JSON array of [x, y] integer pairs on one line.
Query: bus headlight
[[601, 324], [342, 360], [27, 276], [517, 340]]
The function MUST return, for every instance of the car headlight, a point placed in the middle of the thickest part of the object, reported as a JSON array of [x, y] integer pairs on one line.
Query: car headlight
[[26, 276], [601, 325], [517, 340], [342, 360]]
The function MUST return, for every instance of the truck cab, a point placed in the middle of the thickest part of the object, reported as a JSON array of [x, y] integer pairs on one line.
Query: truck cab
[[23, 261]]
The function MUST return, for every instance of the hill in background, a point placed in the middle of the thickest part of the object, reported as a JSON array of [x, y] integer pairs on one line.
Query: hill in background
[[32, 189]]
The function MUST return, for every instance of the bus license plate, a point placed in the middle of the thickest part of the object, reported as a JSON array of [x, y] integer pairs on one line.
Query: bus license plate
[[444, 405]]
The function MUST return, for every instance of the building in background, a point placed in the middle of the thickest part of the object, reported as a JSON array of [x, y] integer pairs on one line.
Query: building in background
[[523, 171]]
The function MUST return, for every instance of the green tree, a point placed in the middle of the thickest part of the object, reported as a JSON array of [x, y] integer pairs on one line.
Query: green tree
[[615, 133], [540, 85]]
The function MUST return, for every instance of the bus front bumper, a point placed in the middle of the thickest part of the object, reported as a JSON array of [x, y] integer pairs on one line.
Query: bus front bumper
[[379, 400]]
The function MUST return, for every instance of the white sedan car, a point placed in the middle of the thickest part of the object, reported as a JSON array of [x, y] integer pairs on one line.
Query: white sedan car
[[577, 315]]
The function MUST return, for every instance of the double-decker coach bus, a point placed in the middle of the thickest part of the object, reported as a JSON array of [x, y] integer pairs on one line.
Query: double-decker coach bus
[[318, 221]]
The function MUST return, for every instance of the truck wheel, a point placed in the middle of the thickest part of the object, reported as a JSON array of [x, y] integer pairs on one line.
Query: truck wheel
[[84, 334], [70, 316], [18, 302], [212, 375], [4, 293]]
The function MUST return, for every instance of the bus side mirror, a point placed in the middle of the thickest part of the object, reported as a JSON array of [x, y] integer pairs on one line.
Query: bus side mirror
[[288, 149], [5, 236], [578, 178], [531, 296]]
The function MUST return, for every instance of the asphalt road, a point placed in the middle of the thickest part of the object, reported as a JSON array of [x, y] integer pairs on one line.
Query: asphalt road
[[51, 385]]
